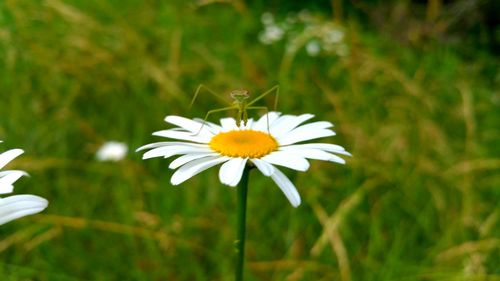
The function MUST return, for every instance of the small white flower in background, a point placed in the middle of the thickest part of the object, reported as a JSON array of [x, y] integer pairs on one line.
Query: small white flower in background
[[266, 143], [271, 34], [16, 206], [305, 30], [313, 48], [112, 151]]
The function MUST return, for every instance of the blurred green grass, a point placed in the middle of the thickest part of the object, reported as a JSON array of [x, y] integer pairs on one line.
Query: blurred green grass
[[418, 200]]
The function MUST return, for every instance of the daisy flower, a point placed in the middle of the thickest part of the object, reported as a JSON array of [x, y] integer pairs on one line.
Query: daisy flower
[[273, 140], [17, 206]]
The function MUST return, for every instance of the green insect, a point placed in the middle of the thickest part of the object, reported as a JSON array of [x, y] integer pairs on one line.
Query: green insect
[[240, 103]]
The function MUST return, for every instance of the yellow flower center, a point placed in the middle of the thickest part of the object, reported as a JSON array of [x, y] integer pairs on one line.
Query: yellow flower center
[[244, 143]]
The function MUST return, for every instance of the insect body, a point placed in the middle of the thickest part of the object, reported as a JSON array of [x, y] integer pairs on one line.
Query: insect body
[[240, 103]]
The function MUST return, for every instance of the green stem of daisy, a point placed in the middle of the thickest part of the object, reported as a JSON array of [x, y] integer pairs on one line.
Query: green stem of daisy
[[241, 210]]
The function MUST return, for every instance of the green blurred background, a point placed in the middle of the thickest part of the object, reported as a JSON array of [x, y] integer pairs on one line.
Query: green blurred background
[[412, 87]]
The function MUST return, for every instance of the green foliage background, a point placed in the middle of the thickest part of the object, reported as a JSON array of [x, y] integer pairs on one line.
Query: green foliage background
[[416, 101]]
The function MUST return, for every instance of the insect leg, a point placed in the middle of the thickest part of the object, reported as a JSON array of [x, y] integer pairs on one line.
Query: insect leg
[[200, 87], [275, 88], [267, 114], [213, 111]]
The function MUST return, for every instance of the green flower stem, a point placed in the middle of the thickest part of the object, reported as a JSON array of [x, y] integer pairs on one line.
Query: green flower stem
[[241, 210]]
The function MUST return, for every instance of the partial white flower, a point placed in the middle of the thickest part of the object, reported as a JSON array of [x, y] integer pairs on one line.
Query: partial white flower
[[266, 143], [16, 206], [112, 151]]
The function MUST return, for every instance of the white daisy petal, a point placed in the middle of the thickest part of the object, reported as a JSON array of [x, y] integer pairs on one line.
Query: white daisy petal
[[213, 128], [304, 135], [170, 143], [17, 206], [287, 187], [196, 127], [9, 155], [6, 188], [262, 123], [291, 123], [228, 124], [6, 173], [185, 123], [266, 168], [322, 146], [288, 160], [195, 167], [318, 155], [279, 123], [7, 178], [319, 125], [231, 171], [168, 151], [188, 136], [188, 158]]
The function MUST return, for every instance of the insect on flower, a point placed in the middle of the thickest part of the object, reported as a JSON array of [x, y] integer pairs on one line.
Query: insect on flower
[[240, 103]]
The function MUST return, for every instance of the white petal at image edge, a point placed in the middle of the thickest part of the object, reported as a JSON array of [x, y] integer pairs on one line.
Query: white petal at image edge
[[9, 155], [7, 179], [17, 206]]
